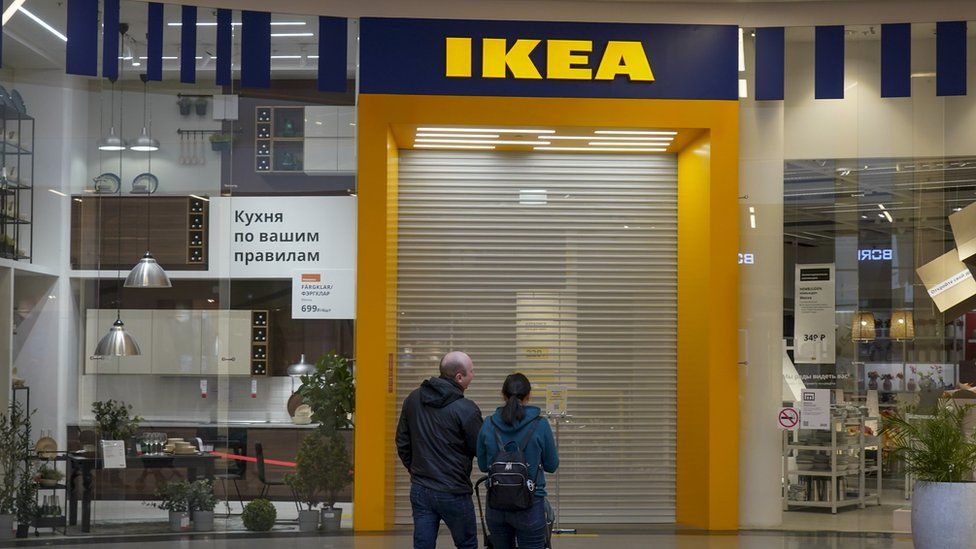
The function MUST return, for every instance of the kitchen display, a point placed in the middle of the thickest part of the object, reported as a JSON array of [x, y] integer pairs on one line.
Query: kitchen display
[[150, 227]]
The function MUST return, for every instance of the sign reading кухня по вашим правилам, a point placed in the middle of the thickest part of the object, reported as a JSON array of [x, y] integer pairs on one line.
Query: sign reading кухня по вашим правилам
[[540, 59]]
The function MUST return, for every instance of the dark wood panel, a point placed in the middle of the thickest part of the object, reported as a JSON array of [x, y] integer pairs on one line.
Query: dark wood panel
[[111, 232]]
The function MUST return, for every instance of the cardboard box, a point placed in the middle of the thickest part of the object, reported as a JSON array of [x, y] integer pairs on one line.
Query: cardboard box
[[950, 284], [963, 225]]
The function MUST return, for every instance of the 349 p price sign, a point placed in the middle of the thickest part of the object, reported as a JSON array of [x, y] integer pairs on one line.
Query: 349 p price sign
[[323, 294]]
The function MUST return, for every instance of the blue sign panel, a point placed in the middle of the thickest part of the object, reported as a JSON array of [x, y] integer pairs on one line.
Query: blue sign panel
[[539, 59]]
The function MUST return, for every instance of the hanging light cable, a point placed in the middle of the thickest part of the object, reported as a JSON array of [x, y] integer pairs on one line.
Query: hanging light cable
[[112, 142], [148, 273], [145, 142], [117, 342]]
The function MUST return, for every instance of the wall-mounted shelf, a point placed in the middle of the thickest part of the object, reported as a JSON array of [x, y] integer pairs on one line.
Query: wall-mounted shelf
[[279, 136], [16, 184], [260, 351]]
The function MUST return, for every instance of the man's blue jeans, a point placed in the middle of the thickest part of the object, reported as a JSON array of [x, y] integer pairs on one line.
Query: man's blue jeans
[[430, 507], [527, 527]]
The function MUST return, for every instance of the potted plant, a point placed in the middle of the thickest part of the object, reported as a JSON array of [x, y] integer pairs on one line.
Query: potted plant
[[259, 515], [9, 466], [307, 479], [201, 503], [873, 380], [886, 382], [930, 389], [115, 422], [337, 474], [48, 476], [331, 393], [221, 142], [175, 498], [937, 452]]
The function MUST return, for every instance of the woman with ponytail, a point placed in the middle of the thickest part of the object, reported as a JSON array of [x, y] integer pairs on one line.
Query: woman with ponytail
[[516, 421]]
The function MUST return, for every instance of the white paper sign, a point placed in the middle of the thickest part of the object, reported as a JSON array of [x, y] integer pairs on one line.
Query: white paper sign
[[815, 409], [323, 293], [556, 400], [113, 454], [813, 327], [269, 237]]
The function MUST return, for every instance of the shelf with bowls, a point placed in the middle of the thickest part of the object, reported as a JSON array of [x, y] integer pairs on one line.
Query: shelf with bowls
[[16, 176]]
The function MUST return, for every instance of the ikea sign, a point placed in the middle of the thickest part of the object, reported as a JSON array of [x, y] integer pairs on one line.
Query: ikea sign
[[548, 59], [565, 59]]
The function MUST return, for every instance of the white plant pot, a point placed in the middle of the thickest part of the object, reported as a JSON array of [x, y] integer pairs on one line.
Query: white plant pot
[[331, 519], [308, 520], [179, 521], [203, 521], [942, 515]]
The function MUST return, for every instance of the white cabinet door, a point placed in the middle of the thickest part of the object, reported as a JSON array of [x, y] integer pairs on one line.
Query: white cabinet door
[[347, 154], [97, 324], [226, 342], [347, 122], [176, 342], [139, 323], [321, 154], [321, 121]]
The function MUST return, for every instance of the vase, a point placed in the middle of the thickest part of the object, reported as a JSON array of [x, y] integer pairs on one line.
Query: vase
[[23, 529], [912, 387], [886, 386], [6, 526], [873, 385], [940, 515]]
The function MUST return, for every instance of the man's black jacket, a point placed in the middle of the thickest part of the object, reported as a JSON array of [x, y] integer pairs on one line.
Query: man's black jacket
[[438, 436]]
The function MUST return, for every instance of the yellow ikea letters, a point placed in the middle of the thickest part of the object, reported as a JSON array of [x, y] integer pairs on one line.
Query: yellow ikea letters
[[565, 59]]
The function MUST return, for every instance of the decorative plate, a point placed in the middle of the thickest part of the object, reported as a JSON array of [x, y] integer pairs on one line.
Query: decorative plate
[[107, 183], [46, 448], [145, 183], [18, 102], [4, 96], [294, 401]]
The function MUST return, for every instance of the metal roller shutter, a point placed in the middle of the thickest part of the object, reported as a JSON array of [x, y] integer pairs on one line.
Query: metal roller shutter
[[563, 267]]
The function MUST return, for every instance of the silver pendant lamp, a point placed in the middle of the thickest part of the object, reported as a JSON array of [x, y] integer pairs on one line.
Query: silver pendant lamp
[[147, 273], [300, 368], [145, 142], [118, 342], [112, 142]]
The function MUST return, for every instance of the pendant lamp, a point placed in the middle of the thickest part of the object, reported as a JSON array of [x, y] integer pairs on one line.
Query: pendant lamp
[[300, 368], [117, 342], [112, 142], [147, 273], [902, 325], [863, 327], [145, 142]]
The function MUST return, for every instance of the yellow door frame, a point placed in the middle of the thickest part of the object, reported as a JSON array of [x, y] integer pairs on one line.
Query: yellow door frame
[[707, 410]]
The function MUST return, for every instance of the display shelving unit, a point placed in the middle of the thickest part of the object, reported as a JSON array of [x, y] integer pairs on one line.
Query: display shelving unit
[[278, 148], [16, 184], [834, 482]]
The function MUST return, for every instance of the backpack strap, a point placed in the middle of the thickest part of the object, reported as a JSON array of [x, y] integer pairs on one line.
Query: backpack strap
[[498, 438], [528, 436]]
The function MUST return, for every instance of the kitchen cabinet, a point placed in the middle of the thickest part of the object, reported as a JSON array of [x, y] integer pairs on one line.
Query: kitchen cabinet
[[226, 346], [176, 342], [138, 322], [330, 139]]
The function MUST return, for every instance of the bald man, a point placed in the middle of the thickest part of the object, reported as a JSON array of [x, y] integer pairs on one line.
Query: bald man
[[437, 437]]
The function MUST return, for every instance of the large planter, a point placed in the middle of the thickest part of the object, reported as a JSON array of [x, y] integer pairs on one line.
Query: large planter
[[942, 515], [308, 520], [6, 526], [331, 518], [179, 521], [23, 529], [928, 399], [203, 521]]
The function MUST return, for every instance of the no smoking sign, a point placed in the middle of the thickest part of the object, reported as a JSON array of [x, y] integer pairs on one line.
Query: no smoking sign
[[788, 419]]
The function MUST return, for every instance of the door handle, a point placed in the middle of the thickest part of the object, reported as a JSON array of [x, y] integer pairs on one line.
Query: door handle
[[95, 357], [228, 359]]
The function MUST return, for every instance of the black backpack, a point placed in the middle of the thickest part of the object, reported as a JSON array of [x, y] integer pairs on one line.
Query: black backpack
[[509, 485]]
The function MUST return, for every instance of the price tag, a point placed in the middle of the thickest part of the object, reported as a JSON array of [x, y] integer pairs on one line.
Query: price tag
[[254, 388], [323, 294], [113, 454], [203, 388]]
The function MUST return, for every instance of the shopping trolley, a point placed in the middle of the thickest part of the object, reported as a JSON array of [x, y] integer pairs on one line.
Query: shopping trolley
[[550, 516]]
